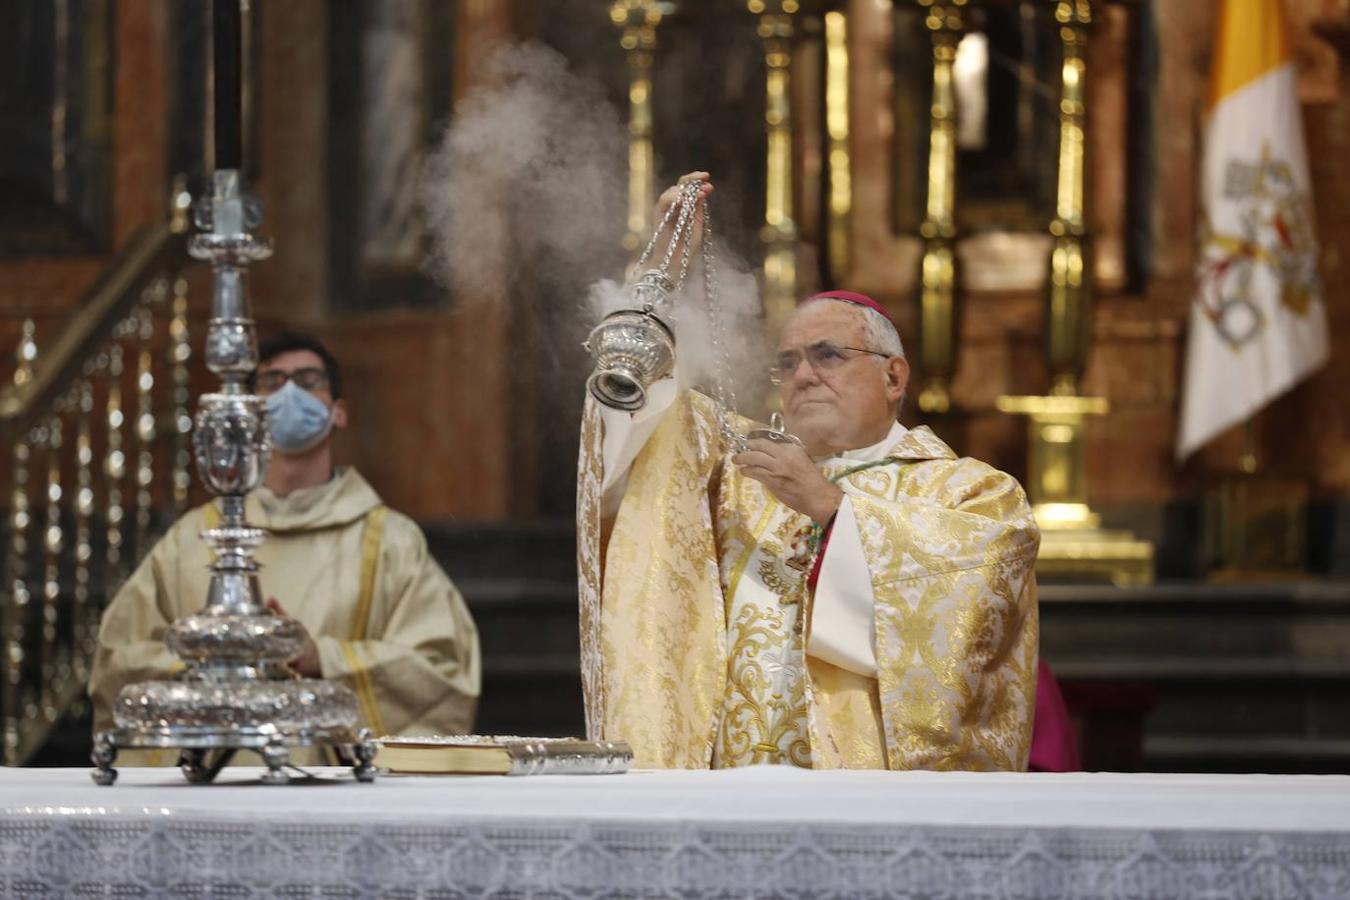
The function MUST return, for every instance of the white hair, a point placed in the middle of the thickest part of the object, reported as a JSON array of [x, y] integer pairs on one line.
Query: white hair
[[881, 334]]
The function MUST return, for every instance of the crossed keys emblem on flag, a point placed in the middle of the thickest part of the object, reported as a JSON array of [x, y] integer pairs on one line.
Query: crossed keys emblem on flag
[[1274, 234]]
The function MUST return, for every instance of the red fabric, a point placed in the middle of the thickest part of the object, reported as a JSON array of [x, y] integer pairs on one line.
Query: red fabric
[[1052, 743], [852, 297]]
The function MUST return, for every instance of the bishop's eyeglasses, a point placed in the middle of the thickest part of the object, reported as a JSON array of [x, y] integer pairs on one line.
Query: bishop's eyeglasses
[[823, 357]]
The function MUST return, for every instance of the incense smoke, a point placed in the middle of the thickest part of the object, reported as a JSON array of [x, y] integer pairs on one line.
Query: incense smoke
[[527, 192]]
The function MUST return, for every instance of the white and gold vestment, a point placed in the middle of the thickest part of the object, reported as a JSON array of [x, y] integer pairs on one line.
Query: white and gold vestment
[[704, 645]]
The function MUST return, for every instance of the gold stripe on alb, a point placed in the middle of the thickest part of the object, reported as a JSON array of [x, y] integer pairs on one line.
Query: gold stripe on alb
[[365, 689], [370, 557]]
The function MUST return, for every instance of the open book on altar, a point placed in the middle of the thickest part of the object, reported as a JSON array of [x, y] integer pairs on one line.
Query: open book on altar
[[476, 754]]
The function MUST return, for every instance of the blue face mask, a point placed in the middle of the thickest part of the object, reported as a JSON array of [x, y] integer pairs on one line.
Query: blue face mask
[[299, 420]]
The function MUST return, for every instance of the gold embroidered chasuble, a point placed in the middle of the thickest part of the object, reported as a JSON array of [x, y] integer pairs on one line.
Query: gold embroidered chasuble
[[694, 624]]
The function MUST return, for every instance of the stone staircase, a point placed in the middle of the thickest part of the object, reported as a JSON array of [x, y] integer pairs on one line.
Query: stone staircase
[[1197, 677], [520, 583]]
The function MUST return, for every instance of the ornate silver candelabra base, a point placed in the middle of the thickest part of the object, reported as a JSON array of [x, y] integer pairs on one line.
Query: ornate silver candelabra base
[[205, 750], [208, 718]]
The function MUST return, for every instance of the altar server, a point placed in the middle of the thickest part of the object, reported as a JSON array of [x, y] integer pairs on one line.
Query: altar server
[[381, 615]]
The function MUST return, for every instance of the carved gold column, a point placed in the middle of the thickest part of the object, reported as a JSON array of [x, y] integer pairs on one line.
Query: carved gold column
[[638, 20], [1069, 310], [1072, 543], [838, 160], [779, 234], [939, 279]]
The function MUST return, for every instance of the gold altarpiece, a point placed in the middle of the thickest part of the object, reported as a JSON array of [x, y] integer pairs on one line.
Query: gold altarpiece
[[818, 77], [1073, 543]]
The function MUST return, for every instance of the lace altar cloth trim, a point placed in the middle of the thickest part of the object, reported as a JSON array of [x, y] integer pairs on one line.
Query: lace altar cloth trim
[[101, 856], [768, 832]]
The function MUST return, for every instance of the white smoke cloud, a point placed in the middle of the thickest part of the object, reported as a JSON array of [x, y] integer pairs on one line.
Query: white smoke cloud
[[531, 177]]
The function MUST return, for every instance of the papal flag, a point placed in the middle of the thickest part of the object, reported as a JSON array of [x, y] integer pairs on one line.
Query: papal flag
[[1258, 324]]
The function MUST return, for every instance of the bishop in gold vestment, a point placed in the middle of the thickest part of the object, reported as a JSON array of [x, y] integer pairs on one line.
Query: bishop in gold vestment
[[721, 626]]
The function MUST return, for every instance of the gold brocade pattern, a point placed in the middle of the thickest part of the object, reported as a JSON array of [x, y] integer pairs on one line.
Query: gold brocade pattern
[[850, 725], [764, 718], [699, 658], [659, 670]]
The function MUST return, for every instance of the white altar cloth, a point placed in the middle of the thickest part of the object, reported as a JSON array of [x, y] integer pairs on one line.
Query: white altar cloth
[[763, 832]]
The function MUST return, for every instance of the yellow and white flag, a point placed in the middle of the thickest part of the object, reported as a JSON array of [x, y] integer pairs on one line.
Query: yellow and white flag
[[1258, 324]]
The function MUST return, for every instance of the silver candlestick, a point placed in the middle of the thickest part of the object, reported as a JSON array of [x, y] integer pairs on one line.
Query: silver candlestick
[[236, 691]]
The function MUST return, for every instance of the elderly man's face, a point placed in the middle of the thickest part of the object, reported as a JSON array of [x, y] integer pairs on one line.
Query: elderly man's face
[[850, 401]]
